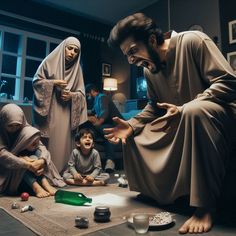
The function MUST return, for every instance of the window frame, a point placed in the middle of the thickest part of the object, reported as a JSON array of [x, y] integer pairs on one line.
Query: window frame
[[20, 77]]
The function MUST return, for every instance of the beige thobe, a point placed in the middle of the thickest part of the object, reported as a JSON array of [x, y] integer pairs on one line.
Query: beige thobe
[[189, 159]]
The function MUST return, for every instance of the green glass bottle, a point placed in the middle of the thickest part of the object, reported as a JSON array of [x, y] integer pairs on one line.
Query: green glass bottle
[[72, 198]]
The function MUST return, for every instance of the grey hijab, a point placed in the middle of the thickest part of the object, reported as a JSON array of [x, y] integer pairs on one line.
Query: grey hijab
[[27, 136], [10, 114], [53, 67]]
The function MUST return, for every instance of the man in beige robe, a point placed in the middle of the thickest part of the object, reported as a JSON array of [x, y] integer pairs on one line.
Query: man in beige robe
[[179, 144]]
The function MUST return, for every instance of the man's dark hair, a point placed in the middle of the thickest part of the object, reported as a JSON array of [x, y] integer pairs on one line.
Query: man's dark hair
[[90, 87], [138, 26], [82, 132]]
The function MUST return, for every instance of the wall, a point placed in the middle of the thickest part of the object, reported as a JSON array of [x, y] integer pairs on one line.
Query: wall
[[183, 14], [159, 13], [120, 69], [179, 15], [227, 14], [94, 51]]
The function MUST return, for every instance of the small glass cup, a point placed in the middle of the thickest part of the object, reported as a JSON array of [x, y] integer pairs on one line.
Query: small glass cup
[[141, 223]]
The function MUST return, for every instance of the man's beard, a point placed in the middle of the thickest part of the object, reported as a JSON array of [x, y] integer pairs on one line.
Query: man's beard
[[156, 60]]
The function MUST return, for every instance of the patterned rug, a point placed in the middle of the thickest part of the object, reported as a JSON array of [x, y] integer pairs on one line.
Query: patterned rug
[[49, 218]]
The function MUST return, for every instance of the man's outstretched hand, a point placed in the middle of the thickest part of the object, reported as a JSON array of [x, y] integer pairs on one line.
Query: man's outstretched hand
[[121, 131]]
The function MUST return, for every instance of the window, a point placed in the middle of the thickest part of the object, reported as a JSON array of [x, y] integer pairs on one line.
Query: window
[[21, 53], [141, 87]]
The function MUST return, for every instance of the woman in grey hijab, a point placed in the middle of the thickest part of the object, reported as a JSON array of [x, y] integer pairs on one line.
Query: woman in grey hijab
[[13, 167], [28, 146], [59, 99]]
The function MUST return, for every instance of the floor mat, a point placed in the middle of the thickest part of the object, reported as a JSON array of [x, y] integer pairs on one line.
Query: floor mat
[[50, 218]]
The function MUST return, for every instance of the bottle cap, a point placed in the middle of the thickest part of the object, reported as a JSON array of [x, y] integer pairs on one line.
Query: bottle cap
[[101, 209]]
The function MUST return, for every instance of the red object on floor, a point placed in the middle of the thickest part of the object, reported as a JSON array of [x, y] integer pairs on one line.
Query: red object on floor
[[24, 196]]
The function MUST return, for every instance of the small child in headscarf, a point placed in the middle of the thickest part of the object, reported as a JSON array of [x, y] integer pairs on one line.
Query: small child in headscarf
[[38, 182]]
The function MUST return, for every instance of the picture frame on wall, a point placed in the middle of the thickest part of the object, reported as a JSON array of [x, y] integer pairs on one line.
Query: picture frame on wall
[[106, 69], [231, 57], [232, 31]]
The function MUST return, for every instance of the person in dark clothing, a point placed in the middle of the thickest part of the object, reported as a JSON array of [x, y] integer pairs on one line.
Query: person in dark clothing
[[101, 117]]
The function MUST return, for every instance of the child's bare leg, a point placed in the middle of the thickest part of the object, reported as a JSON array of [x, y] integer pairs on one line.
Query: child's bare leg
[[98, 183], [48, 187], [39, 191], [93, 183], [73, 182], [84, 182]]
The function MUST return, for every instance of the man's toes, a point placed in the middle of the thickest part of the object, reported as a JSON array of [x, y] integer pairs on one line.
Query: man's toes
[[201, 229], [196, 229], [207, 227], [191, 229], [183, 229]]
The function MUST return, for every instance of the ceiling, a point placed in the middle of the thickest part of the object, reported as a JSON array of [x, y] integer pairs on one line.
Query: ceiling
[[104, 11]]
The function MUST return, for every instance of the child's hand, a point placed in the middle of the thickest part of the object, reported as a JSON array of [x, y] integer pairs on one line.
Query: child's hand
[[78, 176], [39, 172], [89, 178], [37, 166], [26, 158]]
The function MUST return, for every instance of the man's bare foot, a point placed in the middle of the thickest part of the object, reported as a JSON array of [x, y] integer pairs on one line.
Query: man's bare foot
[[39, 191], [48, 187], [200, 222]]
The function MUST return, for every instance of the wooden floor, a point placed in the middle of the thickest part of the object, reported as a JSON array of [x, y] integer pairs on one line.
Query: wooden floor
[[225, 221]]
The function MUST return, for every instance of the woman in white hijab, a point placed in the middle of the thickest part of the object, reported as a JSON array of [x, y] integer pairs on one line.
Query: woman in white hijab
[[59, 99], [12, 167]]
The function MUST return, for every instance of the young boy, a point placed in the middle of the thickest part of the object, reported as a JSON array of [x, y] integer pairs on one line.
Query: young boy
[[84, 166]]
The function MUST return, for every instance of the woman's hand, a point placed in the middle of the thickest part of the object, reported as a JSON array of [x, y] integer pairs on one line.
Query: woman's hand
[[66, 95], [92, 119], [60, 83], [170, 118], [120, 132]]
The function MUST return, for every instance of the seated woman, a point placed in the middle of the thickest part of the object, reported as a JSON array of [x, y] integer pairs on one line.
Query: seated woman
[[13, 166], [29, 143]]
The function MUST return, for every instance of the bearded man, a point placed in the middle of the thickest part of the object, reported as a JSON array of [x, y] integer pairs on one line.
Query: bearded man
[[184, 150]]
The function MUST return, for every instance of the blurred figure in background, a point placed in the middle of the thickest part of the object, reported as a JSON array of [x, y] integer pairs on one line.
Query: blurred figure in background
[[101, 117]]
